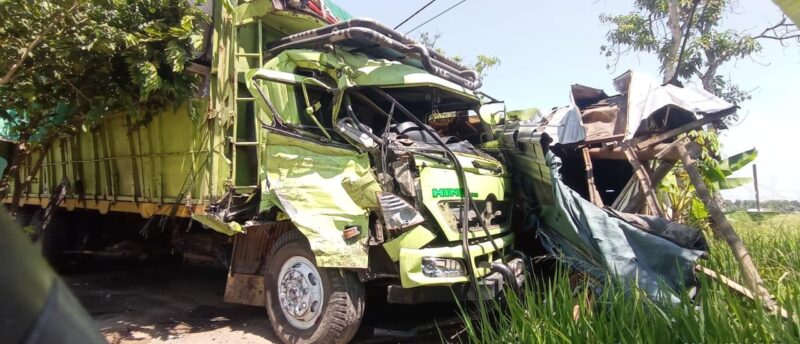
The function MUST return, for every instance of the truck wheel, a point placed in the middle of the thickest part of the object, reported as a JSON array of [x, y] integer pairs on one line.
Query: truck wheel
[[53, 238], [307, 304]]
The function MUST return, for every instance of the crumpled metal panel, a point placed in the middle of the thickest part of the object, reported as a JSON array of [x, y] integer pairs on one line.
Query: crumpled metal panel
[[646, 96], [564, 125], [306, 181]]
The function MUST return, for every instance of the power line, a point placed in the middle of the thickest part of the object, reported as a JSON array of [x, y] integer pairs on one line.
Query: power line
[[436, 16], [415, 13]]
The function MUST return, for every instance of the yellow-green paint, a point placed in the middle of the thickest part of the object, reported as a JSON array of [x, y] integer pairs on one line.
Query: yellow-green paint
[[215, 223], [791, 8], [414, 238], [482, 183], [169, 159], [411, 261], [324, 189], [305, 180]]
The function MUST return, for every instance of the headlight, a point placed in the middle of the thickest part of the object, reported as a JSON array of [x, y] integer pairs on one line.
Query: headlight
[[442, 267]]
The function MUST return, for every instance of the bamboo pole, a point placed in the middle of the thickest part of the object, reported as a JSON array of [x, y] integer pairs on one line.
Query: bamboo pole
[[723, 229]]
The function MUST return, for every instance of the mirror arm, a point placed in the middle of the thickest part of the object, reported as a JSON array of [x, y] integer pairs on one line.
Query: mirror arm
[[275, 115]]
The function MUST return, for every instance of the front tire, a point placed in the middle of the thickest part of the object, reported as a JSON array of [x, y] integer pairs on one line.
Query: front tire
[[307, 304]]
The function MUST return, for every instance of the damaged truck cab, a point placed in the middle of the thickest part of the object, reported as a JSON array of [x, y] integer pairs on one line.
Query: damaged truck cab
[[326, 160], [371, 168]]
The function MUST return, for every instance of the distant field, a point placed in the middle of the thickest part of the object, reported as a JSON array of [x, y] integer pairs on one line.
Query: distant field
[[716, 315]]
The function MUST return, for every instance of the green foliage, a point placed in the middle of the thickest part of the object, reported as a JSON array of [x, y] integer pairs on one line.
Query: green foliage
[[676, 189], [781, 206], [716, 315], [94, 57], [646, 29], [481, 64]]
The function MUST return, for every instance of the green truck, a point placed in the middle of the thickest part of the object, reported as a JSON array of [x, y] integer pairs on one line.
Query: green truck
[[334, 155]]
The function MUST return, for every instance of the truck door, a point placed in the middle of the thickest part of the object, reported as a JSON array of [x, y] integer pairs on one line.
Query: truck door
[[306, 168]]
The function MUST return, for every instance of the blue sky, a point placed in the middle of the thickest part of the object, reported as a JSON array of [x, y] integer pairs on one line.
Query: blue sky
[[545, 46]]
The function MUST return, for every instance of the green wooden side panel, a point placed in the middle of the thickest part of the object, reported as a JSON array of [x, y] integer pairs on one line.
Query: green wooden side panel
[[164, 160], [171, 158]]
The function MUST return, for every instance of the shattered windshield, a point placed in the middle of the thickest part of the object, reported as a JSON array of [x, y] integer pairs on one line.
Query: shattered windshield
[[452, 117]]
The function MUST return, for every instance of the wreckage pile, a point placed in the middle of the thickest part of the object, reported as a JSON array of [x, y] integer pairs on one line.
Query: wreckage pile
[[591, 167]]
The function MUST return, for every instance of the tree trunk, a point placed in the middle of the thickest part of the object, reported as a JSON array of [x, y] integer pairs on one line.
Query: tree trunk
[[670, 62], [20, 153], [21, 184], [723, 229]]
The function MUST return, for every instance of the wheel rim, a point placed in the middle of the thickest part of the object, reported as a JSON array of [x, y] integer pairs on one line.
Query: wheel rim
[[300, 292]]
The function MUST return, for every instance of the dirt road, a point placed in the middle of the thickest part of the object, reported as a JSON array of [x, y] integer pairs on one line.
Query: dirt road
[[167, 304], [142, 304]]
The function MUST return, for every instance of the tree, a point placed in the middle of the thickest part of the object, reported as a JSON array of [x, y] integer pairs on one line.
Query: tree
[[482, 63], [689, 40], [68, 63]]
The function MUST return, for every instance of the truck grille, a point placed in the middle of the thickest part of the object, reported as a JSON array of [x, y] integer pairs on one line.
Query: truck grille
[[495, 214]]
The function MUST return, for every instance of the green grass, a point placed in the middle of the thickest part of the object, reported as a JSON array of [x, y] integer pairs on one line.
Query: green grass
[[716, 315]]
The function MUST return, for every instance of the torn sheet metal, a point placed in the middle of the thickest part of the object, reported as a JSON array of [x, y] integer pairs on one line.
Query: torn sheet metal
[[564, 125], [632, 112], [646, 96], [320, 188]]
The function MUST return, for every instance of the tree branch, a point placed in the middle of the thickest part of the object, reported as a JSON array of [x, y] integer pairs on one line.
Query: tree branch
[[782, 31], [12, 71], [78, 91]]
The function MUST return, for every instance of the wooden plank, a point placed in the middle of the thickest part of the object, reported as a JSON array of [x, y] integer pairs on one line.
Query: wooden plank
[[594, 195], [644, 181], [638, 198], [741, 290], [636, 201], [611, 138], [682, 129]]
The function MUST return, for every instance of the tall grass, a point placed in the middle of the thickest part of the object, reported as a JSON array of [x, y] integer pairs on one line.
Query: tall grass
[[546, 312]]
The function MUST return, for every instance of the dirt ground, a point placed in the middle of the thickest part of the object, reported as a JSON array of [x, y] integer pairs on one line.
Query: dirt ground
[[171, 303], [166, 304]]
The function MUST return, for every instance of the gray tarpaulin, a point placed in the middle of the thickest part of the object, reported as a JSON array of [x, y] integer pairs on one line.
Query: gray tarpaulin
[[650, 252], [645, 250]]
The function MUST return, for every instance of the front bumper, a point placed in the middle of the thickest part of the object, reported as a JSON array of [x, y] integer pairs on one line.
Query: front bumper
[[411, 274], [490, 286]]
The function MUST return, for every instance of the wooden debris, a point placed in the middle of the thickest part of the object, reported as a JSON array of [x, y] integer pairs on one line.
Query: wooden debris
[[742, 290], [637, 199], [594, 195], [644, 180], [683, 129]]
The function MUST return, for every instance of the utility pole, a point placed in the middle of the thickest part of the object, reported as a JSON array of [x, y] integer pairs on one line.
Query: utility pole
[[755, 183]]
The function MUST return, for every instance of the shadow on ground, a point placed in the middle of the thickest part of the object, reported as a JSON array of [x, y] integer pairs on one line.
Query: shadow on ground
[[172, 303]]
